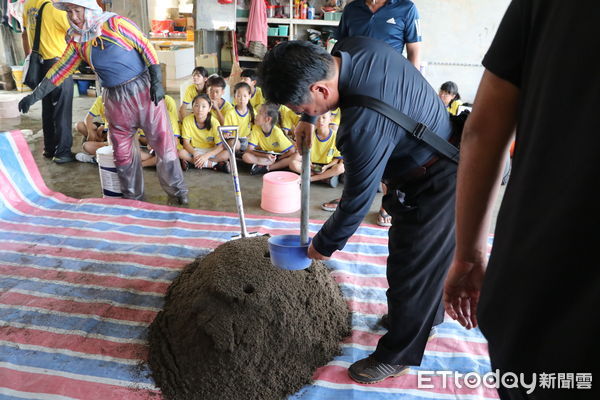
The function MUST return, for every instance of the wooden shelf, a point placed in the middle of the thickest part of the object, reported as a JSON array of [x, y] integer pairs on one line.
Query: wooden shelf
[[249, 58], [295, 21]]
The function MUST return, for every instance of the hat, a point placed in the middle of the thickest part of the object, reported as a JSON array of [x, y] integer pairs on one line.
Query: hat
[[91, 4]]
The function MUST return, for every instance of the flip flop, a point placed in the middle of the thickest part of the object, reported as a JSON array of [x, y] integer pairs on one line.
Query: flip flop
[[381, 216], [330, 205]]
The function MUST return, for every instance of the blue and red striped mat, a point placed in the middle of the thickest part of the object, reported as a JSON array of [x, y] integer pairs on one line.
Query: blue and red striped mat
[[81, 280]]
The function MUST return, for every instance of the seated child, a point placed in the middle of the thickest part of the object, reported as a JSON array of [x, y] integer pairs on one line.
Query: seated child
[[215, 87], [450, 97], [242, 114], [249, 76], [201, 143], [91, 130], [326, 161], [266, 137], [289, 120], [198, 86]]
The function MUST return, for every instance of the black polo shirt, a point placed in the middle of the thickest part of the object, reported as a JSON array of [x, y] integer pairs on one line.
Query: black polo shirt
[[374, 147]]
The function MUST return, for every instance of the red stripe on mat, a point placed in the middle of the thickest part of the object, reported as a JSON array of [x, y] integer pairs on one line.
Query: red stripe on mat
[[74, 342], [52, 384], [75, 307]]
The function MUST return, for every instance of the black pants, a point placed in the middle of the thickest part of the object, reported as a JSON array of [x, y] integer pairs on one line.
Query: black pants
[[421, 246], [57, 116]]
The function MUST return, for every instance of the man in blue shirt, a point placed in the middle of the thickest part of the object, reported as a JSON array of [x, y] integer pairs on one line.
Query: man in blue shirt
[[396, 22], [421, 184]]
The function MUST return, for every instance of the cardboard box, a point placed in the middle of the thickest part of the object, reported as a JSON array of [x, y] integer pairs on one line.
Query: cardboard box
[[208, 61]]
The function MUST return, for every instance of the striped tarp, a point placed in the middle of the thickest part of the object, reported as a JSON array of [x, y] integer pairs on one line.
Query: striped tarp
[[81, 280]]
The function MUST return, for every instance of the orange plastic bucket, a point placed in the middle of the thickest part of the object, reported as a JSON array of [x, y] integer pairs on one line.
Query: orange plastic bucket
[[280, 192]]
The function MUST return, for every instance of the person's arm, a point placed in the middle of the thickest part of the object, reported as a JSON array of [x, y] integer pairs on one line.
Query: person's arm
[[365, 157], [484, 146], [413, 54], [25, 40], [91, 127], [182, 111], [60, 71]]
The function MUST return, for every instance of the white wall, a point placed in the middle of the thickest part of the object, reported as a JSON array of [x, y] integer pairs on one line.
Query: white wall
[[456, 35]]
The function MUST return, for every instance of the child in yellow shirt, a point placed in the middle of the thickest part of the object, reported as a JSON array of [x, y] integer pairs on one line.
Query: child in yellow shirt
[[268, 147], [242, 114], [202, 146], [249, 76], [289, 120], [215, 87], [327, 163], [198, 86]]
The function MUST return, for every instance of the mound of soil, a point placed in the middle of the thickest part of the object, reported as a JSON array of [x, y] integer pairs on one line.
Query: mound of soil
[[236, 327]]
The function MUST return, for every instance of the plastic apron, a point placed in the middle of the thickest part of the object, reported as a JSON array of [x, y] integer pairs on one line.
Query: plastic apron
[[128, 107]]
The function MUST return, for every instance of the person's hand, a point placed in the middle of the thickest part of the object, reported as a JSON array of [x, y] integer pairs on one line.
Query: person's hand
[[461, 291], [314, 254], [25, 104], [200, 160], [272, 158], [92, 135], [157, 92], [303, 134]]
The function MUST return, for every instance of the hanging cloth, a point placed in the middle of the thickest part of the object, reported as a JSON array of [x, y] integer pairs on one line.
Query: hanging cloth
[[257, 23]]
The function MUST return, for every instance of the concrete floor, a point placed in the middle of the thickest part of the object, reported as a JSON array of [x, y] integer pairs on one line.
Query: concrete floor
[[208, 190]]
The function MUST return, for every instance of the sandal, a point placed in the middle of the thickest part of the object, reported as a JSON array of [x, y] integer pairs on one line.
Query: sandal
[[381, 218], [330, 205]]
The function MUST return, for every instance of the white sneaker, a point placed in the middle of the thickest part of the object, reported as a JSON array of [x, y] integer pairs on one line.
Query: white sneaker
[[84, 157]]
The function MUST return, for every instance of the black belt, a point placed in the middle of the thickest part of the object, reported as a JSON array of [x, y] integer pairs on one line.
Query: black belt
[[413, 173]]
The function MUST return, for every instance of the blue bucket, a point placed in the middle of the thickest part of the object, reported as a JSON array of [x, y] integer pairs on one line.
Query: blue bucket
[[287, 252]]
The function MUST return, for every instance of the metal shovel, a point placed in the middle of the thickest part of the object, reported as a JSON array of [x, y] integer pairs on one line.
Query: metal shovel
[[235, 178]]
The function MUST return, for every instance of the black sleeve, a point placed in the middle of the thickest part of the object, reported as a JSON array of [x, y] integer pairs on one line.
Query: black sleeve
[[506, 54], [365, 157]]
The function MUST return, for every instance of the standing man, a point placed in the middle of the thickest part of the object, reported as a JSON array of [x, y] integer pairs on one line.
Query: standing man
[[57, 112], [309, 80], [396, 22], [540, 291]]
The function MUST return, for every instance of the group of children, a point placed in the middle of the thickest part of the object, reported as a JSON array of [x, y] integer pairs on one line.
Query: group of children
[[265, 130]]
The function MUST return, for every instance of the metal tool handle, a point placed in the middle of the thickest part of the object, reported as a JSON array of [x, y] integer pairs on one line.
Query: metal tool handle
[[304, 193], [236, 180]]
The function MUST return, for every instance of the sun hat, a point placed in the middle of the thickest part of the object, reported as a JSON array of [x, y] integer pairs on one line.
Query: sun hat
[[91, 4]]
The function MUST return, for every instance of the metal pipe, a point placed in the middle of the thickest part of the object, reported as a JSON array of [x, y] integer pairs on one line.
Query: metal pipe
[[304, 194]]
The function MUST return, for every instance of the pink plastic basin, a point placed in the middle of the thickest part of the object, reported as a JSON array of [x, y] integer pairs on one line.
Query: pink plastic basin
[[280, 192]]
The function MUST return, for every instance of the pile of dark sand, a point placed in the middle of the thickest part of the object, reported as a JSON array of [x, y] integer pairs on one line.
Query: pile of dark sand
[[236, 327]]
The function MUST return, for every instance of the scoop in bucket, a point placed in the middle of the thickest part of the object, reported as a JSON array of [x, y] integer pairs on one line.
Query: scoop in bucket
[[287, 252], [291, 251]]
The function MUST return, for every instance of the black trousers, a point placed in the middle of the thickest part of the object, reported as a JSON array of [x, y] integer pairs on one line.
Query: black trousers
[[57, 116], [421, 246]]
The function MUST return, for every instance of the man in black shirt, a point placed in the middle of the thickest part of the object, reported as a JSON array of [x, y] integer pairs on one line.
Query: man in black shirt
[[540, 293], [307, 79]]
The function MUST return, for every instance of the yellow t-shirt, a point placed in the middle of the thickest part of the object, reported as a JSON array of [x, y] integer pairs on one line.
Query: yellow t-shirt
[[243, 122], [336, 117], [200, 138], [225, 108], [173, 115], [289, 119], [257, 99], [190, 93], [54, 28], [322, 152], [453, 108], [97, 109], [276, 141]]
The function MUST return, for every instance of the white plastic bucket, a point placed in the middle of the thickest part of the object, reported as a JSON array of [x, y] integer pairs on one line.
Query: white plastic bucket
[[111, 187], [9, 106]]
